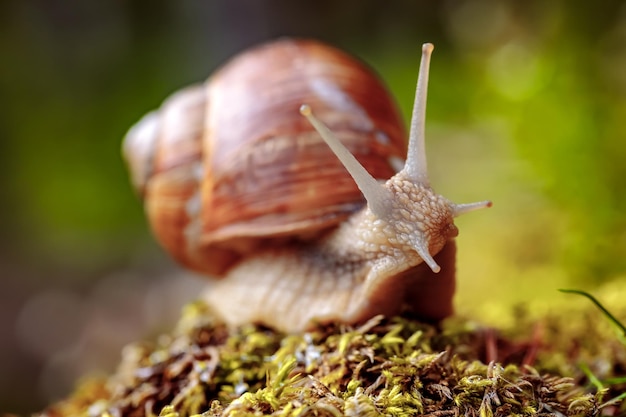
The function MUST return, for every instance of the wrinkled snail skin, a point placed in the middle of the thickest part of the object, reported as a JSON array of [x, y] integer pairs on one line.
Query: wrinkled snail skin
[[245, 189], [346, 277]]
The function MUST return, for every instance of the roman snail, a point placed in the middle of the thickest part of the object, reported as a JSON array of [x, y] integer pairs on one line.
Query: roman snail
[[238, 185]]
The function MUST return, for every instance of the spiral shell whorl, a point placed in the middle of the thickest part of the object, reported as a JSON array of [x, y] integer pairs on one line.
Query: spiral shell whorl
[[229, 166]]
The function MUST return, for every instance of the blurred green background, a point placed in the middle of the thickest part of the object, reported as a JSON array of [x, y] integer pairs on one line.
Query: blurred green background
[[527, 107]]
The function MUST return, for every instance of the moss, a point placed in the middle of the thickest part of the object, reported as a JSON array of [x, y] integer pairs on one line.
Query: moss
[[390, 367]]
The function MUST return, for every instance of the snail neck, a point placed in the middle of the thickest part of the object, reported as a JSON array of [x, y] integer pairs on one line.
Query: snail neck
[[416, 220]]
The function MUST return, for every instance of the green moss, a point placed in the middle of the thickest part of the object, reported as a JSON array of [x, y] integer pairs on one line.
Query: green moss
[[385, 367]]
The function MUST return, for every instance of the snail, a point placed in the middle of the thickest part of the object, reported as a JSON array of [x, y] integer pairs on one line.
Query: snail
[[240, 183]]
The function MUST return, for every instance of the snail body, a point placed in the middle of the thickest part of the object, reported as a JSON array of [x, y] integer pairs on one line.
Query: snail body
[[240, 186]]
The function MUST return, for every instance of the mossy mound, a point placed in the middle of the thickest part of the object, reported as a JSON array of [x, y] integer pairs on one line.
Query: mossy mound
[[387, 367]]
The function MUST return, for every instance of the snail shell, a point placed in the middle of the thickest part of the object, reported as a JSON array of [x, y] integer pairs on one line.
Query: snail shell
[[228, 166], [239, 186]]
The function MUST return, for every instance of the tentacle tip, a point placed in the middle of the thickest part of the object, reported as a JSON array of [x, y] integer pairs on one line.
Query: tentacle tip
[[305, 110], [422, 251], [428, 48], [458, 209]]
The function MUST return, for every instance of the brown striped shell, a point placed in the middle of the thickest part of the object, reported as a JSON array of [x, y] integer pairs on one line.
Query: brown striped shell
[[230, 165]]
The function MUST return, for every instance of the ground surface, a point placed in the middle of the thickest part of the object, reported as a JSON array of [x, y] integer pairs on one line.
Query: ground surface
[[570, 364]]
